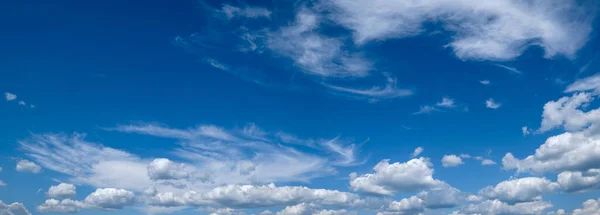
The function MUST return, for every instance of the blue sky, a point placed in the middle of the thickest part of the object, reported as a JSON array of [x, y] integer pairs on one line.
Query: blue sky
[[300, 107]]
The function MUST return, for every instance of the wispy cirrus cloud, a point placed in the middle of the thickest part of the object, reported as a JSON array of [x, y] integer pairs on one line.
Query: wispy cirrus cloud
[[376, 93]]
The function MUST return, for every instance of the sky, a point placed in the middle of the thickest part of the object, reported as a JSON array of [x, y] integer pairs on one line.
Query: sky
[[306, 107]]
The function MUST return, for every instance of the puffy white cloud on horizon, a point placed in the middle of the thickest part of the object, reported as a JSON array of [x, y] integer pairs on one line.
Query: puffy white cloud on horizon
[[110, 198], [389, 178], [498, 207], [58, 206], [579, 181]]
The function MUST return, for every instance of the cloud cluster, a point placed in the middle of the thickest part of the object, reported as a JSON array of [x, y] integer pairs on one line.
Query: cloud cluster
[[15, 208]]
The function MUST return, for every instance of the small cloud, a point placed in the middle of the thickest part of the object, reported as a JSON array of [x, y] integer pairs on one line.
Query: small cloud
[[216, 64], [484, 82], [446, 102], [22, 103], [487, 162], [526, 131], [451, 161], [425, 109], [28, 166], [490, 103], [417, 151], [511, 69], [2, 184], [248, 12], [465, 156], [10, 96], [376, 93]]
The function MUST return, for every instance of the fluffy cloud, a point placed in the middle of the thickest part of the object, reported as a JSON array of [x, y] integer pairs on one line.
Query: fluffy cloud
[[407, 205], [487, 162], [451, 161], [442, 196], [446, 103], [62, 191], [567, 151], [110, 198], [579, 181], [498, 207], [164, 169], [498, 30], [250, 196], [519, 190], [567, 112], [57, 206], [15, 208], [28, 166], [590, 207], [396, 177]]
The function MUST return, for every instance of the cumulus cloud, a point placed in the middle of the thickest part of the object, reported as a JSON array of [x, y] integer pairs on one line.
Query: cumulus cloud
[[499, 30], [250, 196], [10, 96], [248, 12], [487, 162], [499, 207], [164, 169], [490, 103], [579, 181], [485, 82], [62, 191], [520, 190], [15, 208], [110, 198], [410, 205], [589, 207], [58, 206], [28, 166], [396, 177], [451, 161], [442, 196]]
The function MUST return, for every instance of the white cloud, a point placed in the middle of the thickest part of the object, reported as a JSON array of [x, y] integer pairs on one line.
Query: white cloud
[[567, 151], [314, 53], [28, 166], [15, 208], [425, 109], [407, 205], [494, 30], [417, 151], [250, 196], [497, 207], [446, 103], [451, 161], [465, 156], [58, 206], [487, 162], [248, 12], [10, 96], [579, 181], [490, 103], [299, 209], [511, 69], [525, 131], [164, 169], [110, 198], [346, 152], [62, 191], [520, 190], [442, 196], [86, 162], [484, 82], [216, 64], [376, 93], [2, 183], [266, 212], [586, 84], [22, 103], [589, 207], [396, 177]]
